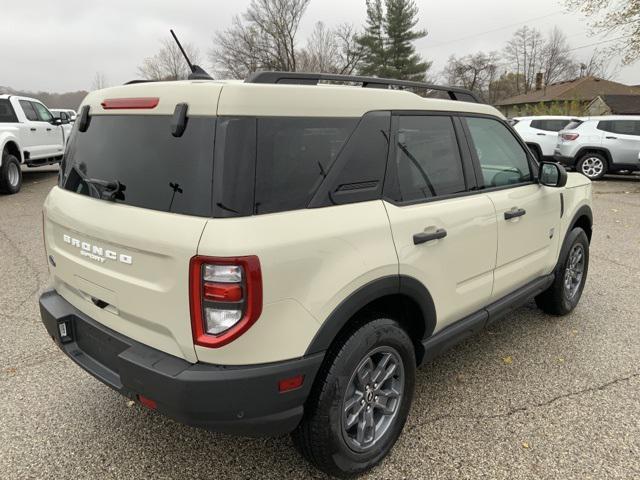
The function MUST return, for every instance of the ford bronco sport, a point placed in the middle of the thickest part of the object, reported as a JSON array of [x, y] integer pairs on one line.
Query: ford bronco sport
[[279, 255]]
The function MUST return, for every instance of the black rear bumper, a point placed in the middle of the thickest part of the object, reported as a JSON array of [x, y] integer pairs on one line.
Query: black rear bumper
[[243, 400], [566, 161]]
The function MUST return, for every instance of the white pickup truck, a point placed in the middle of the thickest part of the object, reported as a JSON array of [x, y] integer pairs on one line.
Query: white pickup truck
[[29, 135]]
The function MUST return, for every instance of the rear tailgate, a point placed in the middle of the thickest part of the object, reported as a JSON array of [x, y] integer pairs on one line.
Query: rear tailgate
[[132, 262]]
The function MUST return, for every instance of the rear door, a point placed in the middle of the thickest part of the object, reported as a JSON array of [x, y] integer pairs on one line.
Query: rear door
[[125, 221], [622, 139], [445, 233], [527, 213]]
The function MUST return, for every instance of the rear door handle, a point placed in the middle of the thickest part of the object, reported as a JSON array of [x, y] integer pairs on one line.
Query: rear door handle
[[32, 129], [611, 138], [514, 213], [424, 237], [48, 129], [541, 134]]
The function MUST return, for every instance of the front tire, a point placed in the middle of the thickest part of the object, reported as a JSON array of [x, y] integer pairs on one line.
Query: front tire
[[360, 401], [10, 174], [593, 166], [570, 276]]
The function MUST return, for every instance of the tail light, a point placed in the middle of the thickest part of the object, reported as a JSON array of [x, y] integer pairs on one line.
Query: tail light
[[225, 298], [570, 136]]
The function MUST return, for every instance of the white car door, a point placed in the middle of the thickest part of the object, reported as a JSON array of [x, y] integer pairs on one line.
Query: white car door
[[546, 134], [33, 132], [54, 143], [622, 139]]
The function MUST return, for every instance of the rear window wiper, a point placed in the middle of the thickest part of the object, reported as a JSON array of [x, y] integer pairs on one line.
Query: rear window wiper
[[110, 191]]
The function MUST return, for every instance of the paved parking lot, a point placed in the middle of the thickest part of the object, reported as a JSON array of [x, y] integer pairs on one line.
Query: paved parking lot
[[534, 397]]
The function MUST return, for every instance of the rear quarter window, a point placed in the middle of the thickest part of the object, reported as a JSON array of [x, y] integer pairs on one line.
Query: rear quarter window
[[7, 115]]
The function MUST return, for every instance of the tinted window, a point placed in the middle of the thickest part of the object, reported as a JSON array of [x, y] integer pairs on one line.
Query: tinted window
[[157, 170], [623, 127], [427, 158], [29, 111], [549, 125], [294, 156], [573, 124], [502, 159], [7, 115], [43, 113]]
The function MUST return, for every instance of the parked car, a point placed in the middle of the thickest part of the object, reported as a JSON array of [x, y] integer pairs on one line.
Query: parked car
[[71, 113], [29, 135], [290, 272], [599, 145], [65, 120], [540, 133]]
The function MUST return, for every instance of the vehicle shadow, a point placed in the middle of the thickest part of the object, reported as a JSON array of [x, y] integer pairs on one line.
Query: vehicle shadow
[[37, 175]]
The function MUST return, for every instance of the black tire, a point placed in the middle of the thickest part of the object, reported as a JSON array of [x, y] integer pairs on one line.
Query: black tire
[[10, 174], [557, 299], [321, 436], [594, 166]]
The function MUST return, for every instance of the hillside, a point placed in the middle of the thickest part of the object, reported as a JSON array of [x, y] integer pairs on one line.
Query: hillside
[[51, 100]]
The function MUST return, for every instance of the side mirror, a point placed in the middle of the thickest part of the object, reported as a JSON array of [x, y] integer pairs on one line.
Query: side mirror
[[552, 174], [56, 121]]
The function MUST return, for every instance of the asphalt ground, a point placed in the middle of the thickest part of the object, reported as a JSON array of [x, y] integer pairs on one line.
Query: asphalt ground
[[533, 397]]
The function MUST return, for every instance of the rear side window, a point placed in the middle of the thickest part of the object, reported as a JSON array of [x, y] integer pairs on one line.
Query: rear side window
[[134, 160], [549, 125], [573, 124], [29, 111], [427, 158], [293, 157], [502, 159], [7, 115], [623, 127]]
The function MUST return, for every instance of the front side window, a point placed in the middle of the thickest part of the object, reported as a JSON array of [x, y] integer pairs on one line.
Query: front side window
[[43, 114], [622, 127], [427, 158], [502, 159]]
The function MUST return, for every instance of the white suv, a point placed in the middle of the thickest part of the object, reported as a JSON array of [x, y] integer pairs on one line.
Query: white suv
[[599, 145], [280, 255], [541, 133]]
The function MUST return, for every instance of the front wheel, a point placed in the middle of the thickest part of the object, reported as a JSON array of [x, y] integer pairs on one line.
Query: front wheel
[[571, 274], [360, 400]]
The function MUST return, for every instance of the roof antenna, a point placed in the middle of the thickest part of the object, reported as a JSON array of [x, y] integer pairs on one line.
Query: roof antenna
[[197, 73]]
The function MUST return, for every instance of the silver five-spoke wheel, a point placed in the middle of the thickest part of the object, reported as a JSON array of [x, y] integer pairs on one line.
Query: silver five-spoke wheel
[[574, 271], [372, 398], [592, 166]]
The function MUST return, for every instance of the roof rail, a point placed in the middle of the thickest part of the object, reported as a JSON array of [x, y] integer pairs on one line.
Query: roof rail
[[300, 78]]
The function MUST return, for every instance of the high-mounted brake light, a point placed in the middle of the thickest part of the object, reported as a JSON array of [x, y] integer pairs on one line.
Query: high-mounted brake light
[[130, 103], [570, 136], [225, 298]]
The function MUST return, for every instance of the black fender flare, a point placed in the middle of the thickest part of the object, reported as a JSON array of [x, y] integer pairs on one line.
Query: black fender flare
[[601, 150], [374, 290], [583, 211]]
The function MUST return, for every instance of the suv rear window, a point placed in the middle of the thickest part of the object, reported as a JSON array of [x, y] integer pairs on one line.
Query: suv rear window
[[7, 115], [155, 169]]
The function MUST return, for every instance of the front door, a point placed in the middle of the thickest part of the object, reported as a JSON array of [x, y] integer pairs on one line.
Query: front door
[[445, 234], [527, 213], [622, 139]]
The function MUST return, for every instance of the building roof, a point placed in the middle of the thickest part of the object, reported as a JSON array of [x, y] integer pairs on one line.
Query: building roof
[[582, 89], [623, 104]]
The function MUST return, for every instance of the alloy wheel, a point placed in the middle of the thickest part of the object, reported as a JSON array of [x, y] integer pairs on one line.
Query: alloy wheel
[[592, 167]]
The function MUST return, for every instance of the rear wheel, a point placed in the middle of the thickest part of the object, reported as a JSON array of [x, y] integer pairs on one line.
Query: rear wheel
[[592, 166], [571, 274], [360, 400], [10, 174]]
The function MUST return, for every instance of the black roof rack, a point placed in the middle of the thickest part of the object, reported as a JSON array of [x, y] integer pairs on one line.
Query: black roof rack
[[300, 78]]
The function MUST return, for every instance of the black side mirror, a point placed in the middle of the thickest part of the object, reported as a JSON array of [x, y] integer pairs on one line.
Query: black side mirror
[[56, 121], [552, 174]]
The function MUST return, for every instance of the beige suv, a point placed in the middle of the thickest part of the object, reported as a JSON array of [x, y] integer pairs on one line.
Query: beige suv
[[279, 255]]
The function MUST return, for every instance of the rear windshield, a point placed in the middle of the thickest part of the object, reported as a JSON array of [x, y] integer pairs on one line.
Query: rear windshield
[[135, 160], [7, 115]]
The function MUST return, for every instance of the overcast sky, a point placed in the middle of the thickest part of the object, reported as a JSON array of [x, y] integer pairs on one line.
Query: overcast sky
[[59, 46]]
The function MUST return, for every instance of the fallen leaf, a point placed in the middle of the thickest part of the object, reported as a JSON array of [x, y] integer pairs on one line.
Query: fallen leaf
[[560, 359], [507, 360], [614, 210], [130, 403], [525, 445]]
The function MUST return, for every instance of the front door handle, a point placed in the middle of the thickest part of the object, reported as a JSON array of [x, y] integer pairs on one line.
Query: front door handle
[[48, 129], [424, 237], [541, 134], [32, 129], [514, 213], [611, 138]]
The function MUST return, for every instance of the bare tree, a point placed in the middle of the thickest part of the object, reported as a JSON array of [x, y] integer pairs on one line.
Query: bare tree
[[264, 37], [99, 81], [168, 63], [557, 62], [475, 72], [619, 17], [524, 54], [598, 65], [331, 50]]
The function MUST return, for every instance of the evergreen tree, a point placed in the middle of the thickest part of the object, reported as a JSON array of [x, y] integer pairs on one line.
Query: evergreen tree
[[373, 41], [402, 61], [388, 41]]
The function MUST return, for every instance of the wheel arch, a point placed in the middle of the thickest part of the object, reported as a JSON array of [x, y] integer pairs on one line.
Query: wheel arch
[[11, 146], [599, 150], [536, 147], [401, 297], [583, 218]]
